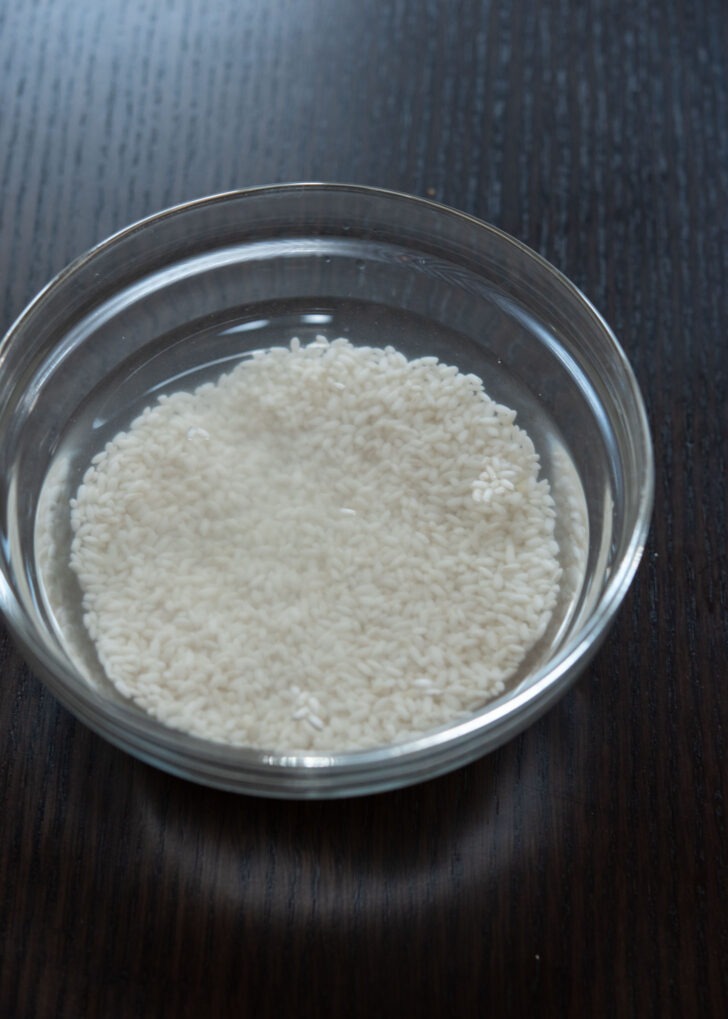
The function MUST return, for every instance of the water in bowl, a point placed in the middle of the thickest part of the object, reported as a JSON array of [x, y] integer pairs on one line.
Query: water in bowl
[[185, 360]]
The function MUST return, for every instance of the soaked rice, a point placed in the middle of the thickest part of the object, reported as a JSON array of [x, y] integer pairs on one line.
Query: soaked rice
[[331, 547]]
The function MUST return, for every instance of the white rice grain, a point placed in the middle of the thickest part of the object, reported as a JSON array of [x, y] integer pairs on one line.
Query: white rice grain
[[330, 547]]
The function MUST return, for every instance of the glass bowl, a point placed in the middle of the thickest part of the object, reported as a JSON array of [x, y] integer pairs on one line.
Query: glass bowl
[[180, 297]]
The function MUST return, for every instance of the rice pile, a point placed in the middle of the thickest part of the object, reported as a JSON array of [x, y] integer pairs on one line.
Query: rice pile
[[331, 547]]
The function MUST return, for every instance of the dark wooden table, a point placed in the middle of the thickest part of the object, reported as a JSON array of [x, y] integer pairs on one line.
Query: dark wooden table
[[582, 869]]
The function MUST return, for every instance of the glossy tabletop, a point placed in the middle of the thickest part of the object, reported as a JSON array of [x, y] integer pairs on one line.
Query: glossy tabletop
[[582, 869]]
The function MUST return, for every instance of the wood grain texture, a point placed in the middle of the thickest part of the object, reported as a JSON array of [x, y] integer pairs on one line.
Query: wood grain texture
[[581, 870]]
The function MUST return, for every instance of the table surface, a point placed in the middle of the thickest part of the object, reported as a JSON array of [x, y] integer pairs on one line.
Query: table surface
[[581, 869]]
